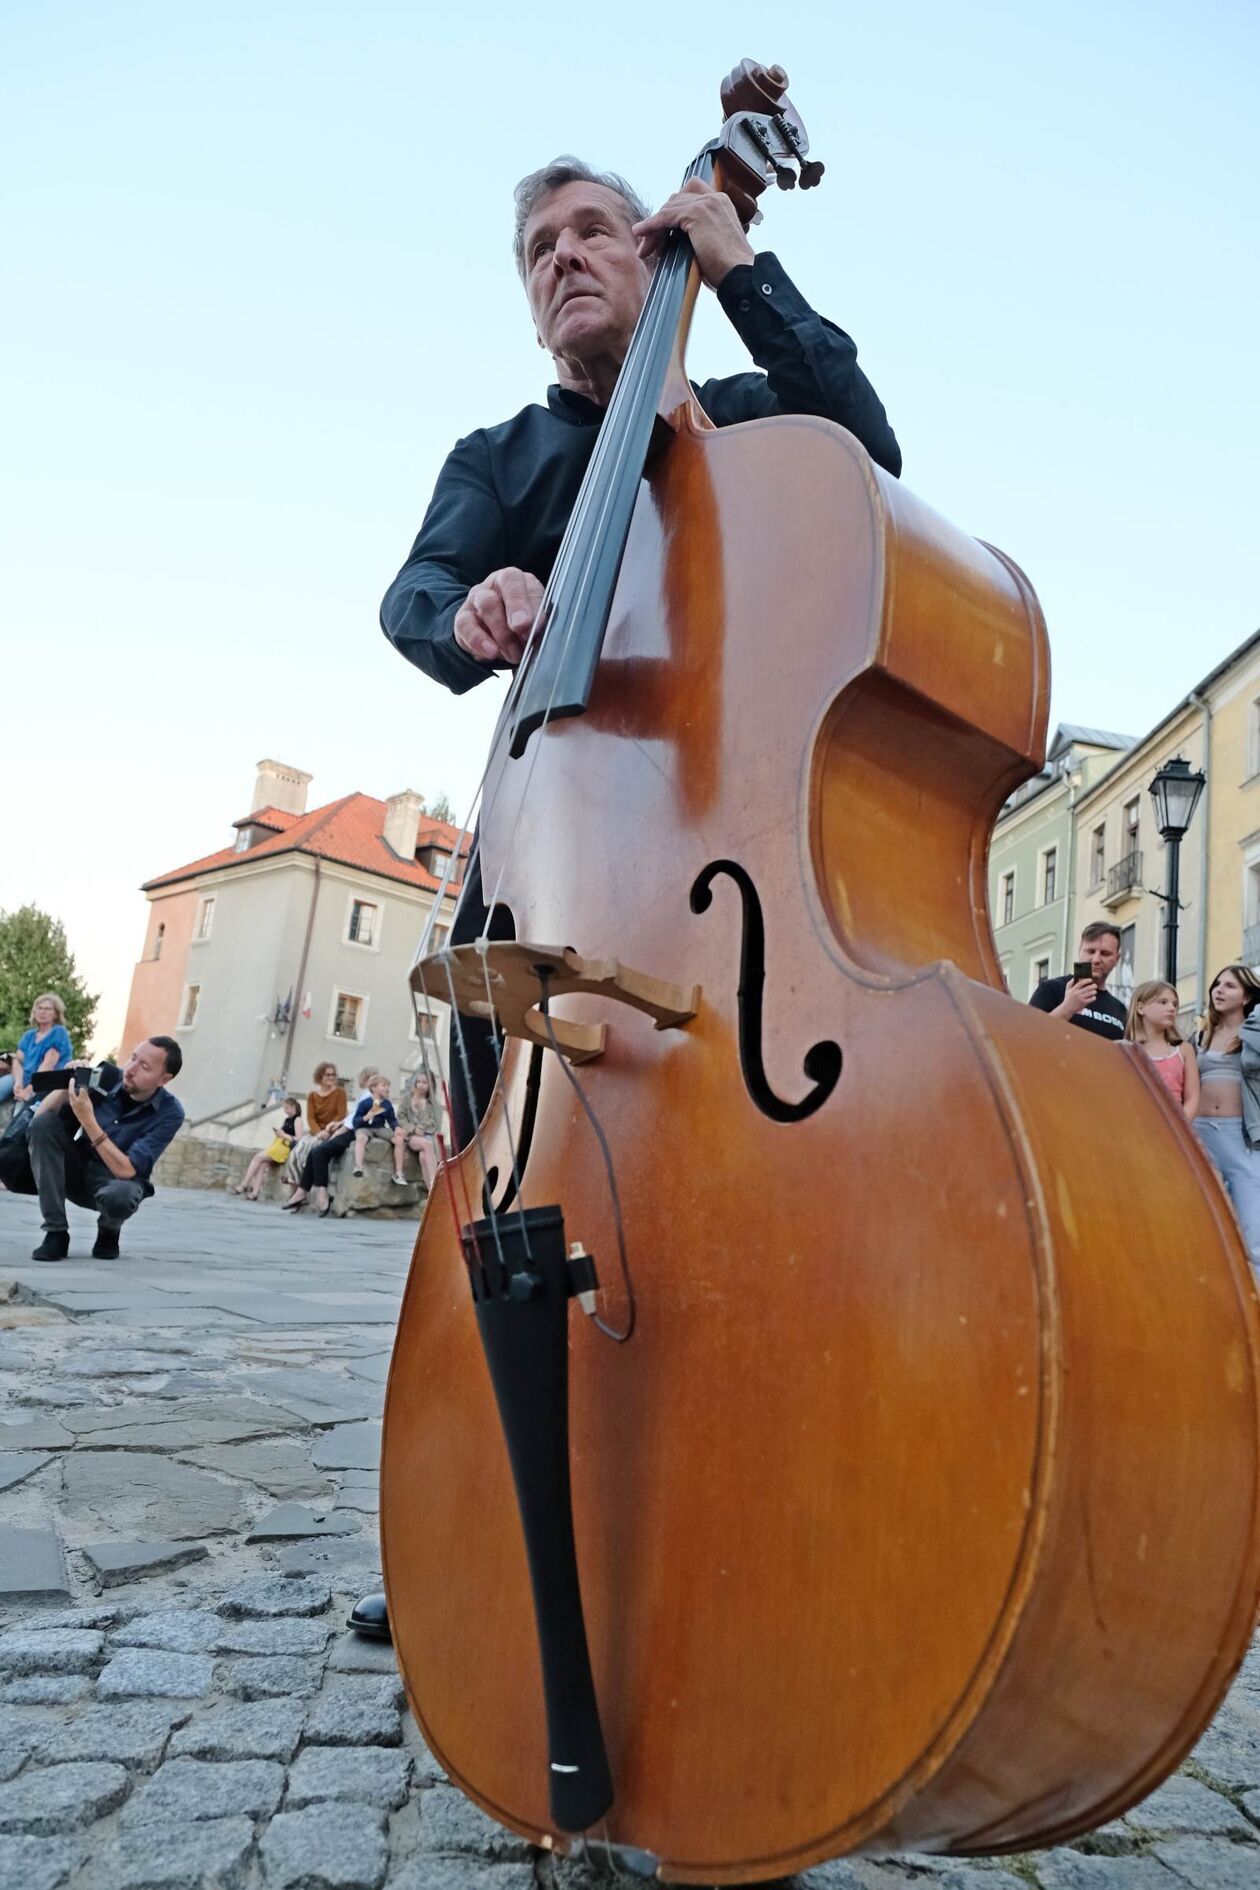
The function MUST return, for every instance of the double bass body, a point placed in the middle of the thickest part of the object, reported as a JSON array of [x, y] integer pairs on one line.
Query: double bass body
[[920, 1512]]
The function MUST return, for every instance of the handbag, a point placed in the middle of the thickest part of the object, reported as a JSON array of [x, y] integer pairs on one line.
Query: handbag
[[279, 1151], [15, 1156]]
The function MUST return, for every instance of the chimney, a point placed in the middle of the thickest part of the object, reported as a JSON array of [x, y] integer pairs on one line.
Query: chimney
[[402, 817], [278, 786]]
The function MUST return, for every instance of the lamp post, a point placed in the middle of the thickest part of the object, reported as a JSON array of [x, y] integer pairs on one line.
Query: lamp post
[[1175, 792]]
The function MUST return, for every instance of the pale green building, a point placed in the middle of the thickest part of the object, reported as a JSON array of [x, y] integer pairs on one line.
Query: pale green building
[[1032, 871]]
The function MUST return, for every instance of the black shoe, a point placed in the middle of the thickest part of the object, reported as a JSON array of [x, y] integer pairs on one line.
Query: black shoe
[[54, 1246], [370, 1618], [106, 1247]]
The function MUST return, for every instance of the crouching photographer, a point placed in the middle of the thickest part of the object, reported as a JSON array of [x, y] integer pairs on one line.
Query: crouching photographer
[[95, 1138]]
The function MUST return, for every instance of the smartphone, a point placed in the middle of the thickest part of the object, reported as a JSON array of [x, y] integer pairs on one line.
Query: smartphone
[[1082, 969]]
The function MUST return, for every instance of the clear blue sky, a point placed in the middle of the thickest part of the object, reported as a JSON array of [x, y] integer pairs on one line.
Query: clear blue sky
[[256, 280]]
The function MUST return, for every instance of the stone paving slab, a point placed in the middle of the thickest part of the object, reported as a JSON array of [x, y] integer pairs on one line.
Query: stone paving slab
[[17, 1465], [210, 1855], [32, 1567], [181, 1707], [126, 1561]]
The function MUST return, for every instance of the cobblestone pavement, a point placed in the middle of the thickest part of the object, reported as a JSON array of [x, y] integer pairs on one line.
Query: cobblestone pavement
[[188, 1452]]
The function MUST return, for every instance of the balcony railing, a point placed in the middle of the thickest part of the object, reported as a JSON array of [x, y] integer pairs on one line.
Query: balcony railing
[[1124, 878], [1251, 944]]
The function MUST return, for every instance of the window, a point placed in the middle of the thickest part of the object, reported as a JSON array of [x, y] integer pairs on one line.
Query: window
[[1008, 898], [1122, 976], [242, 841], [364, 922], [1097, 857], [437, 861], [424, 1028], [158, 937], [205, 918], [1132, 822], [1251, 913], [1049, 874], [348, 1015], [1253, 740], [1041, 971], [192, 998], [440, 935]]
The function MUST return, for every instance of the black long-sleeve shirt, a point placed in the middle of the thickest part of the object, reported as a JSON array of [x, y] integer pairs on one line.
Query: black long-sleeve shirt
[[505, 493]]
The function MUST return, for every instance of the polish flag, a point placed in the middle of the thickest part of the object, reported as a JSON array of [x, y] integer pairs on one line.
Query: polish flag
[[306, 1005]]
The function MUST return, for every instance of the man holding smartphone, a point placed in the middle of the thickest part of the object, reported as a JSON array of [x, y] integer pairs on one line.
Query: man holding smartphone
[[1082, 998], [100, 1154]]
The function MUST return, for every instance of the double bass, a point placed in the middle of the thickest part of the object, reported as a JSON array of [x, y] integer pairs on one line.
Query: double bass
[[824, 1409]]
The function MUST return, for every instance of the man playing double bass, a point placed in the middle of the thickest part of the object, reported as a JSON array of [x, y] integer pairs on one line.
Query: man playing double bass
[[462, 605]]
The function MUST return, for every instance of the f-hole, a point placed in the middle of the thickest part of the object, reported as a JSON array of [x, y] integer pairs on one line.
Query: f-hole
[[529, 1116], [823, 1060]]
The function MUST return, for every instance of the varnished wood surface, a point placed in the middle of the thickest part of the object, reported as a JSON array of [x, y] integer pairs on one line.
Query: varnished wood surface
[[921, 1510]]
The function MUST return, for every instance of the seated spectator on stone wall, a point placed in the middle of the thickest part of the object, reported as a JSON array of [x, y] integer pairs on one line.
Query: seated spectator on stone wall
[[325, 1108], [277, 1151], [100, 1152], [45, 1046], [373, 1116], [418, 1130]]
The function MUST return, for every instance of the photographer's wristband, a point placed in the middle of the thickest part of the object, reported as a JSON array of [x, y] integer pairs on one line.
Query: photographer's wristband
[[98, 1139]]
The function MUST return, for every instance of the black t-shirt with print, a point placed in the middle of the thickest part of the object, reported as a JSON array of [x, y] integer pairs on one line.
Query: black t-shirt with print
[[1104, 1015]]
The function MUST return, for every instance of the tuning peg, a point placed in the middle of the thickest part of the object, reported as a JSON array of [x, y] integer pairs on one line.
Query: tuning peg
[[811, 173]]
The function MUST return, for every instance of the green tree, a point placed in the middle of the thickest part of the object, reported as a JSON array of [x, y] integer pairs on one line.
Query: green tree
[[441, 809], [34, 957]]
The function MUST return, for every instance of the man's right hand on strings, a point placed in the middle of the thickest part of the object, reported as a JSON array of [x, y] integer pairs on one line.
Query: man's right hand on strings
[[494, 621]]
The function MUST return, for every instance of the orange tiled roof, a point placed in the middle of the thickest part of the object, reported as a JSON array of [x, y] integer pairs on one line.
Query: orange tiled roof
[[274, 817], [348, 831]]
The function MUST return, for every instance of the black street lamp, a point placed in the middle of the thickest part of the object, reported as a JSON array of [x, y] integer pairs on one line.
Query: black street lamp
[[1175, 792]]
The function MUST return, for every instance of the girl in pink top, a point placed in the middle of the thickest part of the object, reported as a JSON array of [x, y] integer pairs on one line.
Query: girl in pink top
[[1153, 1024]]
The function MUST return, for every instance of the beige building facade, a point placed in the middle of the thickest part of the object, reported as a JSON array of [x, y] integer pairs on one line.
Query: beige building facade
[[1083, 832], [1032, 858], [293, 946]]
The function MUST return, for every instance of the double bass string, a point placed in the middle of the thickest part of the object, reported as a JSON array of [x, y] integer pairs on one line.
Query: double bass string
[[612, 445], [609, 467], [631, 1309]]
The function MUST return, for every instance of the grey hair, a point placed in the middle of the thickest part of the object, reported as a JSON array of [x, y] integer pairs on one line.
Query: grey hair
[[532, 190]]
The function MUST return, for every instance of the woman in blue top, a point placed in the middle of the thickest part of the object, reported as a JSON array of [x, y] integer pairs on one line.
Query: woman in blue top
[[45, 1046]]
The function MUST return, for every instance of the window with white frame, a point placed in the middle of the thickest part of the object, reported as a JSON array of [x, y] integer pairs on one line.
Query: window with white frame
[[424, 1028], [242, 841], [1122, 978], [1131, 829], [364, 923], [205, 918], [437, 942], [348, 1014], [1041, 971], [1049, 875], [1253, 739], [188, 1012], [1097, 857], [1251, 912], [1008, 898]]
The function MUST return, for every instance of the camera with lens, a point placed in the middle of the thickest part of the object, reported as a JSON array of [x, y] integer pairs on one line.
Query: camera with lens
[[100, 1080]]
